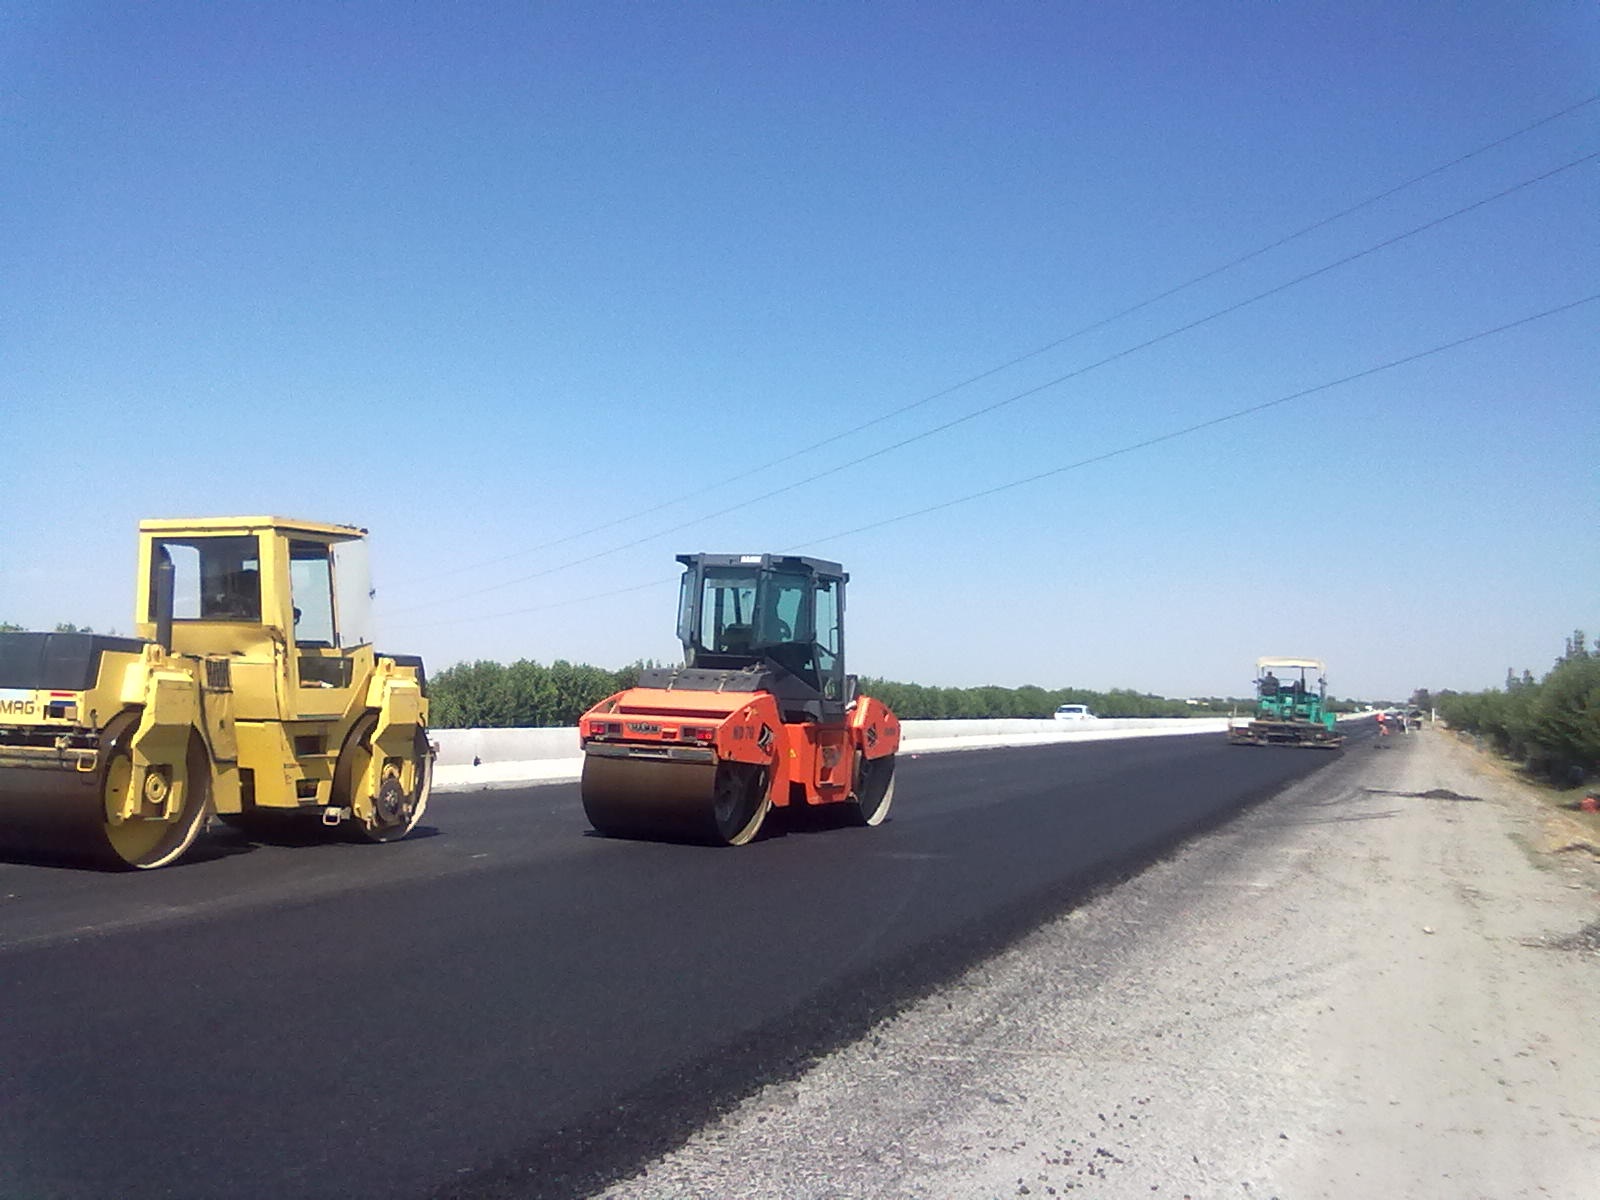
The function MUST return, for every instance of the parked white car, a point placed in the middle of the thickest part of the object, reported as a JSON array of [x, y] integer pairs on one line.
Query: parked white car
[[1075, 712]]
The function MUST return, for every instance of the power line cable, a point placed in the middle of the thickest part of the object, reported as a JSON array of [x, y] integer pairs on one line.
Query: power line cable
[[995, 406], [1235, 415], [1101, 323], [521, 612], [1210, 423]]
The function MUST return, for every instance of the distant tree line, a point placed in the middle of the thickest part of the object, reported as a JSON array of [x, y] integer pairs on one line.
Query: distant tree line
[[1551, 725], [525, 694], [915, 701], [479, 695]]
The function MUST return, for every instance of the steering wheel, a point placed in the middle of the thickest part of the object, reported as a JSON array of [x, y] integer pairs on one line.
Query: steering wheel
[[785, 631]]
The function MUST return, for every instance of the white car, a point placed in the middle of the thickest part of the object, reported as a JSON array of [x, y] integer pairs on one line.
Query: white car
[[1075, 712]]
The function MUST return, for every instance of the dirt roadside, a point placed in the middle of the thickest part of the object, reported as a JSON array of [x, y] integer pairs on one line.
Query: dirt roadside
[[1373, 985]]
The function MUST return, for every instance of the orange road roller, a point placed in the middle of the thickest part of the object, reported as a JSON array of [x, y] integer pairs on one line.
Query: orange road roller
[[760, 716], [251, 692]]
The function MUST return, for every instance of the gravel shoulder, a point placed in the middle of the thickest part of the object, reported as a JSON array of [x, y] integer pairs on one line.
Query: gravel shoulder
[[1378, 983]]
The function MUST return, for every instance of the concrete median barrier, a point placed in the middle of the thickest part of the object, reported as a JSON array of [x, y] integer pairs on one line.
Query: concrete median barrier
[[478, 759]]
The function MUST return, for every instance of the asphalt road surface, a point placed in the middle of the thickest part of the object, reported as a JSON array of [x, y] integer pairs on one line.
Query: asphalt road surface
[[508, 1006]]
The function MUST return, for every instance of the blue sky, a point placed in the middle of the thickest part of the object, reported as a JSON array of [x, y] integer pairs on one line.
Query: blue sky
[[488, 278]]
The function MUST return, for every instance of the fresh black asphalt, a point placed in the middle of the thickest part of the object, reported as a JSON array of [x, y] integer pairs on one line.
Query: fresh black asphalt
[[510, 1006]]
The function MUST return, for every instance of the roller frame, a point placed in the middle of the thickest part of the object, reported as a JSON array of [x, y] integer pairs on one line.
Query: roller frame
[[645, 777]]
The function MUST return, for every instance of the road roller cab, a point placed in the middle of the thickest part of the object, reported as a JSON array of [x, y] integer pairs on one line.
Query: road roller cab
[[252, 691], [761, 714]]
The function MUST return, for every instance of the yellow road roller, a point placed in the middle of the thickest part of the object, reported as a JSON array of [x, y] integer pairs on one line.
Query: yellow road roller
[[251, 692]]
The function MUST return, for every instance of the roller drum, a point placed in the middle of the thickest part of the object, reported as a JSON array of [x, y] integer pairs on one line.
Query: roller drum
[[59, 814], [54, 816], [660, 799]]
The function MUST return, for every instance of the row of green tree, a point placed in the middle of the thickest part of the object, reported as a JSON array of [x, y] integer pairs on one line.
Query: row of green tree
[[484, 694], [915, 701], [1552, 725], [525, 694]]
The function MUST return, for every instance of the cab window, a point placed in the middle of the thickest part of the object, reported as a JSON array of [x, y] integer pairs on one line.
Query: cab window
[[828, 636], [311, 586], [728, 611], [213, 579], [783, 610]]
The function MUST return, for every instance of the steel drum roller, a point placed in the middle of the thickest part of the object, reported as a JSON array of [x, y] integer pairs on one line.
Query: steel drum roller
[[59, 814], [54, 814], [643, 797]]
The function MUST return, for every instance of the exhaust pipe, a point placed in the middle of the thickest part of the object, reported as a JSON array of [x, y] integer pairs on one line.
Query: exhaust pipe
[[163, 600]]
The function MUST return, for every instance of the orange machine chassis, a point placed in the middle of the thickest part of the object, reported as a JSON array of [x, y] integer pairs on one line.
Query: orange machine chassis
[[808, 763]]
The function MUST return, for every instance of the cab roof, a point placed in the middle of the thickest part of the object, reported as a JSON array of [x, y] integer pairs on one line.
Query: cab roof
[[1310, 664], [818, 566], [249, 524]]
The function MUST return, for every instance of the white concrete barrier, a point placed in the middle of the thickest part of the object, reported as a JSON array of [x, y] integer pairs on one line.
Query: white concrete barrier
[[476, 759], [927, 736], [459, 747]]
